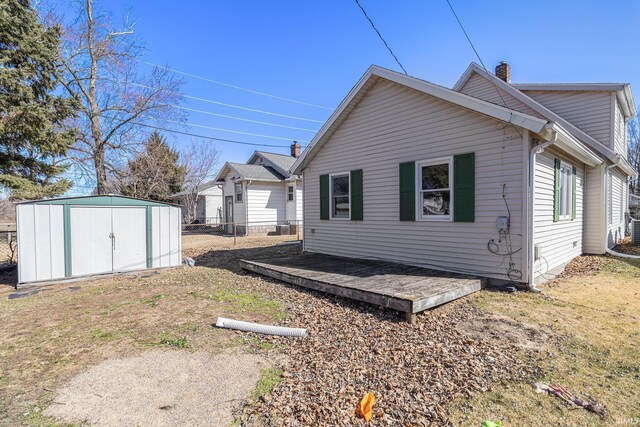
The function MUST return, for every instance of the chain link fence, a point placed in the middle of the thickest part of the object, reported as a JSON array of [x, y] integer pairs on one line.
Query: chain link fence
[[8, 245], [196, 238], [202, 238]]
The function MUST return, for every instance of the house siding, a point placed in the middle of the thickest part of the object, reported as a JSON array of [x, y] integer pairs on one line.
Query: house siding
[[239, 209], [594, 213], [616, 208], [620, 130], [559, 241], [481, 88], [394, 124], [589, 111], [266, 203]]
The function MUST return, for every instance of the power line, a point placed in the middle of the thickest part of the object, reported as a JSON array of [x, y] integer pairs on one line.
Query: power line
[[243, 119], [482, 63], [236, 131], [195, 76], [231, 141], [380, 35], [210, 101]]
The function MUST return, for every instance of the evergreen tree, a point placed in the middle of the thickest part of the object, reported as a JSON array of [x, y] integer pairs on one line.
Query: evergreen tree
[[33, 139], [155, 173]]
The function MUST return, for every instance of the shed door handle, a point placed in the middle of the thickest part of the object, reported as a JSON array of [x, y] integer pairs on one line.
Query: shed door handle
[[113, 241]]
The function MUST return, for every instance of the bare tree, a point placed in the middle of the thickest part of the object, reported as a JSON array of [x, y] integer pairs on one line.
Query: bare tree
[[99, 68], [200, 161]]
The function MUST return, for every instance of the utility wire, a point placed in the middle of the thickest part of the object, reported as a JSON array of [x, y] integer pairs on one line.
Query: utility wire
[[482, 63], [195, 76], [242, 119], [231, 141], [380, 35], [236, 131], [210, 101]]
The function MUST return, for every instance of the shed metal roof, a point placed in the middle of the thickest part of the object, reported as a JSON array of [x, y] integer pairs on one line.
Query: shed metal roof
[[102, 200]]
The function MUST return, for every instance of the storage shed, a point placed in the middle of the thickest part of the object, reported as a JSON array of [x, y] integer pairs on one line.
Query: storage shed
[[82, 236]]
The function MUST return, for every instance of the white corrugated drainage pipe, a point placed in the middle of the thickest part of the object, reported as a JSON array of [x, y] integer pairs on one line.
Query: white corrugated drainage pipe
[[535, 150], [614, 253], [261, 329]]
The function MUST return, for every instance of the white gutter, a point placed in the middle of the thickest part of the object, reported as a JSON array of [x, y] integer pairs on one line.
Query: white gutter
[[535, 150]]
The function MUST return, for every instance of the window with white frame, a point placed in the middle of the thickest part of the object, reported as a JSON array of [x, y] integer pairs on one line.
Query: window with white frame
[[435, 196], [340, 203], [238, 191], [290, 193], [565, 210]]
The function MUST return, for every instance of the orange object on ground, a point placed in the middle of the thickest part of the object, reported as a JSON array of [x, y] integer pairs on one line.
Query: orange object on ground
[[364, 408]]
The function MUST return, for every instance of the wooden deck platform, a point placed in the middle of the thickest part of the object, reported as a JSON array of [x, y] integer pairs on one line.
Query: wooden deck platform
[[401, 287]]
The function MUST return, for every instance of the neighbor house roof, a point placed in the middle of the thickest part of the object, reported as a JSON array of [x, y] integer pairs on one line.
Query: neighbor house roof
[[250, 172], [199, 189], [539, 126], [514, 91], [281, 162]]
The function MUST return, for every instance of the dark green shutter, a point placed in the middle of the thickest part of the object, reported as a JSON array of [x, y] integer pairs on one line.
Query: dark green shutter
[[356, 195], [573, 192], [324, 196], [408, 191], [464, 183], [556, 191]]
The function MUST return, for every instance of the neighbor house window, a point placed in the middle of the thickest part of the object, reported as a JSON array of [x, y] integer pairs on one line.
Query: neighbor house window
[[435, 198], [290, 193], [238, 191], [566, 191], [340, 203]]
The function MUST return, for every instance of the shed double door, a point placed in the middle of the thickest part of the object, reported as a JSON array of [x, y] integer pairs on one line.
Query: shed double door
[[107, 239]]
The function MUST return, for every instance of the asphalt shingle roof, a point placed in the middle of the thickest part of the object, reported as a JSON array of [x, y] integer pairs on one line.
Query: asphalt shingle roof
[[257, 172], [281, 160]]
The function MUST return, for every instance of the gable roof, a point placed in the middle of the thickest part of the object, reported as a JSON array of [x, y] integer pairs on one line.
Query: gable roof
[[374, 73], [574, 130], [281, 162], [250, 172]]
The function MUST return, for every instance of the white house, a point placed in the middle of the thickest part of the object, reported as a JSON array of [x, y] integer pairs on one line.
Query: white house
[[207, 204], [262, 196], [500, 180]]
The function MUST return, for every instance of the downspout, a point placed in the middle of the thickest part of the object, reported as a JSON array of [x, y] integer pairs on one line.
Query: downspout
[[535, 150], [246, 209]]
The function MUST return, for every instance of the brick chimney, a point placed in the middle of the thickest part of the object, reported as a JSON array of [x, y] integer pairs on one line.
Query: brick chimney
[[295, 149], [503, 71]]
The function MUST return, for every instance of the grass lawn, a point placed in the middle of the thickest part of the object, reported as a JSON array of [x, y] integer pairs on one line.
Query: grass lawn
[[593, 321], [48, 338]]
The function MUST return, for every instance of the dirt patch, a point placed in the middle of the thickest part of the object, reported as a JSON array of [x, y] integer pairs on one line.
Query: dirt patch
[[159, 388], [503, 330]]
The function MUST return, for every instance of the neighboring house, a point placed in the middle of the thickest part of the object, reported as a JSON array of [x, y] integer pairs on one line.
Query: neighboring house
[[206, 204], [408, 171], [262, 196]]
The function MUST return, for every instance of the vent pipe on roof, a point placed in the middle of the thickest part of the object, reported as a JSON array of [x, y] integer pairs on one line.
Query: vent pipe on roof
[[503, 71], [295, 149]]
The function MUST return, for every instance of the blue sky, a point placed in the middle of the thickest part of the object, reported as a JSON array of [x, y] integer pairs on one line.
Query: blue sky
[[315, 51]]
